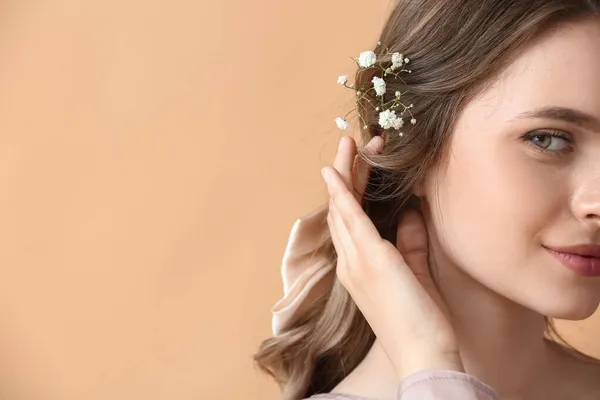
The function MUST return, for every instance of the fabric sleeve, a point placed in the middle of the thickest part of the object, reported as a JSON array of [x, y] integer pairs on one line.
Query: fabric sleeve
[[444, 385]]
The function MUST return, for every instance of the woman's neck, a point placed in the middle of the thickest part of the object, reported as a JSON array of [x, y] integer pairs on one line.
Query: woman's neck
[[501, 343]]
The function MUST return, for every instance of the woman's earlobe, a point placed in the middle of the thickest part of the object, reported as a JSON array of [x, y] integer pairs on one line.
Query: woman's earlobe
[[418, 190]]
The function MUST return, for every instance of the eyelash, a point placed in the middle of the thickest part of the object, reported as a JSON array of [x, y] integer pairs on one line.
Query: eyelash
[[544, 133]]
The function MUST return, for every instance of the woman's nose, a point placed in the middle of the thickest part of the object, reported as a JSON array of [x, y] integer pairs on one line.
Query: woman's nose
[[586, 203]]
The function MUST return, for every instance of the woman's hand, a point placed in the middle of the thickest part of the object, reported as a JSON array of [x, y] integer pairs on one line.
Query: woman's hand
[[391, 285]]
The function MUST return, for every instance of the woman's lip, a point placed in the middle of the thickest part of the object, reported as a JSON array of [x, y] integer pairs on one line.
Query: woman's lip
[[581, 265], [590, 250]]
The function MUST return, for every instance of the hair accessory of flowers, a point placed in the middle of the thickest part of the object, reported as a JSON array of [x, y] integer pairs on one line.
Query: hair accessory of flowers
[[387, 110]]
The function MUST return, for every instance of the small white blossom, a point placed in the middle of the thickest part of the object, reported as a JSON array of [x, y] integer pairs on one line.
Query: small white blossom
[[367, 59], [387, 119], [398, 123], [379, 85], [341, 123], [396, 60]]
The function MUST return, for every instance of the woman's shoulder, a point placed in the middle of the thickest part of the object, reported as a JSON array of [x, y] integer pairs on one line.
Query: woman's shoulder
[[430, 384], [337, 396]]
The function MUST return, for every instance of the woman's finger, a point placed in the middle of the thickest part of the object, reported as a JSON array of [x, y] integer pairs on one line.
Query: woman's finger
[[334, 222], [362, 169], [339, 235], [361, 231], [344, 159]]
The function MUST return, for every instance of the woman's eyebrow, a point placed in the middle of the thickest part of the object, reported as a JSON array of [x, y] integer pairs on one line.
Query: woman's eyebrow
[[565, 114]]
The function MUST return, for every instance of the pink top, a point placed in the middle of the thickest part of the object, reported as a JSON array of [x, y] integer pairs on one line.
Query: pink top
[[432, 385]]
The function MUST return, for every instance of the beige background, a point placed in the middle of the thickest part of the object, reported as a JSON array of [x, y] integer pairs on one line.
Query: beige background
[[153, 157]]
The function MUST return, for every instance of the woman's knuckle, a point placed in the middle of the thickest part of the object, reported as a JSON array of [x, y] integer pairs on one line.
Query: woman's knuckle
[[349, 222]]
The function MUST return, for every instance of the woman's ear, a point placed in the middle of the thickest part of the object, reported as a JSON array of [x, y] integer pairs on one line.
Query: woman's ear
[[419, 189]]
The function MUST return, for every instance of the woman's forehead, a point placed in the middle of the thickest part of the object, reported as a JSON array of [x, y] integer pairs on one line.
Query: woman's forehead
[[559, 70]]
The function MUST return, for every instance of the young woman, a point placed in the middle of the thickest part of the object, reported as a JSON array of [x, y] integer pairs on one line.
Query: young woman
[[444, 252]]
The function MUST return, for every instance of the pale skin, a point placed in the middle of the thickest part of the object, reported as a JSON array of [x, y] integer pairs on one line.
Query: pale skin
[[500, 199]]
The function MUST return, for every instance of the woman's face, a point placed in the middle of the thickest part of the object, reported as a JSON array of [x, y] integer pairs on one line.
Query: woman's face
[[510, 189]]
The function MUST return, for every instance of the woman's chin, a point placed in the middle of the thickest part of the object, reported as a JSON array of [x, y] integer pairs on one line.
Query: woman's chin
[[572, 310]]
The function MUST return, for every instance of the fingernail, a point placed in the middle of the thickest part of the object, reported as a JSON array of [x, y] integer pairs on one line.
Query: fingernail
[[325, 175], [378, 142]]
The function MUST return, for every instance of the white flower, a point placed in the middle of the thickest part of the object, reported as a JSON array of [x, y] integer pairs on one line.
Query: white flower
[[379, 85], [387, 119], [341, 123], [367, 59], [397, 60], [342, 79], [398, 94], [406, 60], [413, 121], [398, 123]]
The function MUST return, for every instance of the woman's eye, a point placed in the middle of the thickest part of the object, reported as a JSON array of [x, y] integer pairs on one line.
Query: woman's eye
[[556, 142]]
